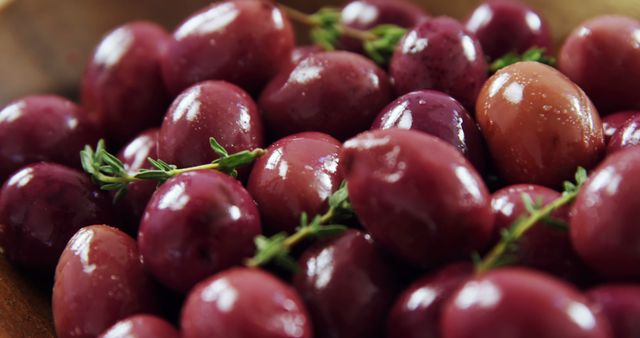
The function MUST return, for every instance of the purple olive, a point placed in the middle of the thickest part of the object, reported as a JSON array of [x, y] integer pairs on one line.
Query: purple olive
[[508, 26], [440, 54], [338, 93], [348, 284], [417, 312], [245, 42], [298, 174], [603, 58], [122, 85], [41, 207], [141, 326], [627, 136], [244, 302], [440, 115], [99, 281], [197, 224], [417, 195], [367, 14], [209, 109], [42, 128], [543, 247], [134, 157], [621, 305], [508, 303], [611, 123], [604, 222]]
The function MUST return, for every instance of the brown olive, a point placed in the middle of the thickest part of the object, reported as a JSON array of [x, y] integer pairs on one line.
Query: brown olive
[[538, 124]]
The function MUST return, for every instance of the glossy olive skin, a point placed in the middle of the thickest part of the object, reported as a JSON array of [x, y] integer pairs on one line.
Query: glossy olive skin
[[620, 303], [426, 207], [348, 284], [611, 123], [417, 311], [440, 115], [99, 281], [196, 224], [338, 93], [508, 26], [298, 174], [607, 208], [539, 125], [243, 302], [41, 207], [542, 247], [42, 128], [627, 136], [141, 326], [602, 57], [367, 14], [245, 42], [440, 54], [134, 157], [209, 109], [302, 52], [508, 303], [122, 85]]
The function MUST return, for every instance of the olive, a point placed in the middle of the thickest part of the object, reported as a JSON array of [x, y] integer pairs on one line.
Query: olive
[[539, 125], [417, 195]]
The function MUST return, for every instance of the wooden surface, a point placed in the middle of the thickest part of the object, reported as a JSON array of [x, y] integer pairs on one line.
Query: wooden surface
[[43, 47]]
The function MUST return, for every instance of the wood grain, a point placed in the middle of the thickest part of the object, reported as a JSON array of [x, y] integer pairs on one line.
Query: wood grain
[[44, 45]]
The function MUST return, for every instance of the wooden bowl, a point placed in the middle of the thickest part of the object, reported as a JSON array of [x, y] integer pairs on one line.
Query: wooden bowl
[[45, 44]]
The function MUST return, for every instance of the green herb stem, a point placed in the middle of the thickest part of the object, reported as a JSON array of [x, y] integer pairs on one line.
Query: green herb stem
[[525, 223]]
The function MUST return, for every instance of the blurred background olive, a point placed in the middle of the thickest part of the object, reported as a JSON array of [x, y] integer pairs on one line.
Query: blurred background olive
[[44, 44]]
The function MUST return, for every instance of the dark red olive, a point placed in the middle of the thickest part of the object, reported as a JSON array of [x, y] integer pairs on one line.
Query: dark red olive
[[416, 313], [99, 281], [42, 128], [245, 42], [197, 224], [508, 26], [539, 125], [338, 93], [298, 174], [122, 85], [627, 136], [302, 52], [440, 54], [209, 109], [367, 14], [509, 303], [440, 115], [603, 58], [417, 195], [348, 284], [604, 222], [611, 123], [134, 157], [141, 326], [41, 207], [244, 302], [621, 305], [544, 247]]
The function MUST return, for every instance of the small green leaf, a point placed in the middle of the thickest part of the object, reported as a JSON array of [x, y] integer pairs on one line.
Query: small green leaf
[[569, 187], [113, 161], [581, 176], [87, 160], [555, 223], [231, 162], [304, 220], [381, 49], [528, 203], [156, 175], [120, 194], [217, 148], [533, 54], [326, 31], [111, 186], [339, 196], [330, 230], [287, 262]]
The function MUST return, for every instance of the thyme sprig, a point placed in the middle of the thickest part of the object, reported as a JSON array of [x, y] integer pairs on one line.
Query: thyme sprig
[[110, 173], [326, 30], [500, 254], [533, 54], [277, 248]]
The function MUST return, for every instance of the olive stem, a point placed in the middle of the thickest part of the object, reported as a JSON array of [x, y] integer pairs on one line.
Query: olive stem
[[309, 20], [521, 226]]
